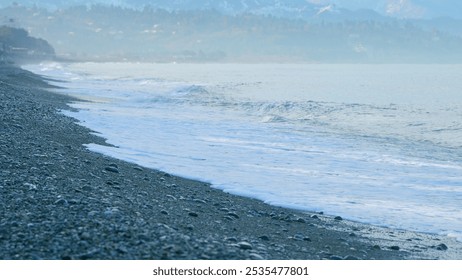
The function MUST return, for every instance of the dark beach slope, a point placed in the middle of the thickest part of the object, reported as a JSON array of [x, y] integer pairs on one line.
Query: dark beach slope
[[60, 201]]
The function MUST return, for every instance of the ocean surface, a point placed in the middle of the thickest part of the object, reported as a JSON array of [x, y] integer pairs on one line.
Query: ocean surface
[[379, 144]]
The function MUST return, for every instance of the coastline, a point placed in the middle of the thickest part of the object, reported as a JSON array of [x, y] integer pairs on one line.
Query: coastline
[[60, 201]]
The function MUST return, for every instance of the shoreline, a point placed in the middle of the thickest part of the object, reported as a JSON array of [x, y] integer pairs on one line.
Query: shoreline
[[61, 201]]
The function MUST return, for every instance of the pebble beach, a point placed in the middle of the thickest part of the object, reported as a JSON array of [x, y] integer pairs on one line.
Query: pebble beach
[[60, 201]]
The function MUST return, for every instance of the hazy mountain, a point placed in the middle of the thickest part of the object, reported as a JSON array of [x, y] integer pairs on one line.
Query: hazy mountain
[[412, 9], [111, 33]]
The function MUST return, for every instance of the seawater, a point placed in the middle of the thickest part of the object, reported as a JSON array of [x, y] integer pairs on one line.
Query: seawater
[[379, 144]]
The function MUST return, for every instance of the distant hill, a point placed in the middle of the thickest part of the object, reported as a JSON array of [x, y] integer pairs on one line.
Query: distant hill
[[410, 9], [17, 46], [114, 33]]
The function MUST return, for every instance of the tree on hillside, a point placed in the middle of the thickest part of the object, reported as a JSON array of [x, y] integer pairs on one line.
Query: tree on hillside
[[16, 45]]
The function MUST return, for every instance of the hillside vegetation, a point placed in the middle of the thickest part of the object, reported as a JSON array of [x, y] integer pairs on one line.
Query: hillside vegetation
[[110, 33], [17, 46]]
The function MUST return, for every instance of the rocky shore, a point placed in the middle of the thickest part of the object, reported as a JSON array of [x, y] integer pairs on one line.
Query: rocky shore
[[60, 201]]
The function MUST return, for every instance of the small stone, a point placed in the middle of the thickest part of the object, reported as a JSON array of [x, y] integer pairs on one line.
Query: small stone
[[351, 258], [122, 250], [164, 212], [264, 238], [338, 218], [353, 234], [314, 217], [93, 213], [255, 256], [231, 239], [298, 237], [301, 220], [396, 248], [234, 215], [442, 247], [111, 169], [85, 235], [376, 247], [171, 197], [30, 186], [138, 168], [193, 214], [307, 239], [61, 201], [110, 212], [244, 245]]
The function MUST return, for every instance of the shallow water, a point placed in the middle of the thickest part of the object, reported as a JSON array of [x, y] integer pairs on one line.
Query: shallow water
[[380, 144]]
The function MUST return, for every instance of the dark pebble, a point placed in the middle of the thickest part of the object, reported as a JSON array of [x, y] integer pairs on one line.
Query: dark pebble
[[314, 217], [442, 247], [264, 238], [111, 169], [193, 214], [234, 215], [396, 248], [338, 218]]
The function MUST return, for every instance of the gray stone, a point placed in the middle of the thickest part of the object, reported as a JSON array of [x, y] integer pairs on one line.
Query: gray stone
[[244, 245]]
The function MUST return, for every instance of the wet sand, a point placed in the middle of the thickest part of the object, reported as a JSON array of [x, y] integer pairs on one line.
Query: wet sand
[[60, 201]]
